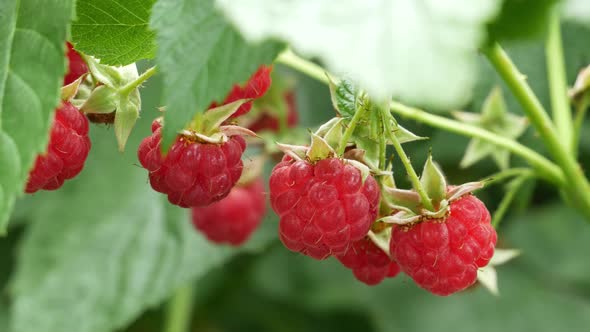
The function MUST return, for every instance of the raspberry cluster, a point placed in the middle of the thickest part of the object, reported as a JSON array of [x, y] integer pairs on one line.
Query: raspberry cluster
[[368, 263], [192, 173], [443, 255], [323, 207], [233, 219], [76, 66], [256, 87], [67, 150]]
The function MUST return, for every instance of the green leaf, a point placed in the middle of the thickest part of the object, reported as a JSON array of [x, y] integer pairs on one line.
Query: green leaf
[[116, 32], [344, 98], [32, 66], [199, 68], [521, 19], [106, 247], [421, 52]]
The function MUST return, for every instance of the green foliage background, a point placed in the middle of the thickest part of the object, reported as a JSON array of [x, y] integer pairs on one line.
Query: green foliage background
[[105, 252]]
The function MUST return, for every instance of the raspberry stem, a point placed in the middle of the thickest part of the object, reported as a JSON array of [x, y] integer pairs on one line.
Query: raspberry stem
[[288, 58], [562, 115], [129, 87], [576, 185], [542, 165], [387, 120], [350, 129], [179, 310], [581, 109]]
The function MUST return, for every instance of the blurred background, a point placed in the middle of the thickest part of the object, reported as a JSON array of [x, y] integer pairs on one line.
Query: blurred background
[[263, 286]]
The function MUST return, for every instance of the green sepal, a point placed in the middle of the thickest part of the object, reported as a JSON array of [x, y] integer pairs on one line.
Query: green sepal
[[213, 118], [101, 100], [115, 77], [319, 149], [128, 107], [69, 91], [495, 118], [381, 239], [334, 135], [405, 136], [403, 199], [581, 86], [434, 182]]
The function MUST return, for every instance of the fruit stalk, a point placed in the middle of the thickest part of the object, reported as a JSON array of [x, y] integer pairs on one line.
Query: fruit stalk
[[387, 118], [576, 185], [179, 310], [128, 88], [360, 112]]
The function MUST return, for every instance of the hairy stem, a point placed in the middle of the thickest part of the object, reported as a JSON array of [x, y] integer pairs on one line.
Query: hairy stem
[[179, 310], [576, 185], [127, 89], [414, 179], [350, 129], [545, 168], [562, 115], [288, 58]]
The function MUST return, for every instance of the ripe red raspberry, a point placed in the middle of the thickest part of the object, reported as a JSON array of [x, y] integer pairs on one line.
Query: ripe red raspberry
[[269, 122], [256, 87], [192, 174], [66, 152], [323, 207], [76, 66], [443, 256], [233, 219], [368, 263]]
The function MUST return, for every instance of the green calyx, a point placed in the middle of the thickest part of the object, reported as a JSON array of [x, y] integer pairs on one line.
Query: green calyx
[[212, 125], [495, 118], [407, 206]]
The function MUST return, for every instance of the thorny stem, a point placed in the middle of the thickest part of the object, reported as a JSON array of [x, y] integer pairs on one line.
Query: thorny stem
[[127, 89], [387, 118], [562, 115], [350, 129], [576, 185], [544, 167], [179, 310]]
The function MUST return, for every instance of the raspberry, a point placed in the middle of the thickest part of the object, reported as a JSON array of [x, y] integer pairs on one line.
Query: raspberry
[[443, 256], [233, 219], [256, 87], [66, 152], [269, 122], [323, 207], [192, 174], [368, 263], [76, 66]]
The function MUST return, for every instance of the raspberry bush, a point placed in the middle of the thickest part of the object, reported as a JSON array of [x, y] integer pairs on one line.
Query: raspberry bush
[[299, 165]]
